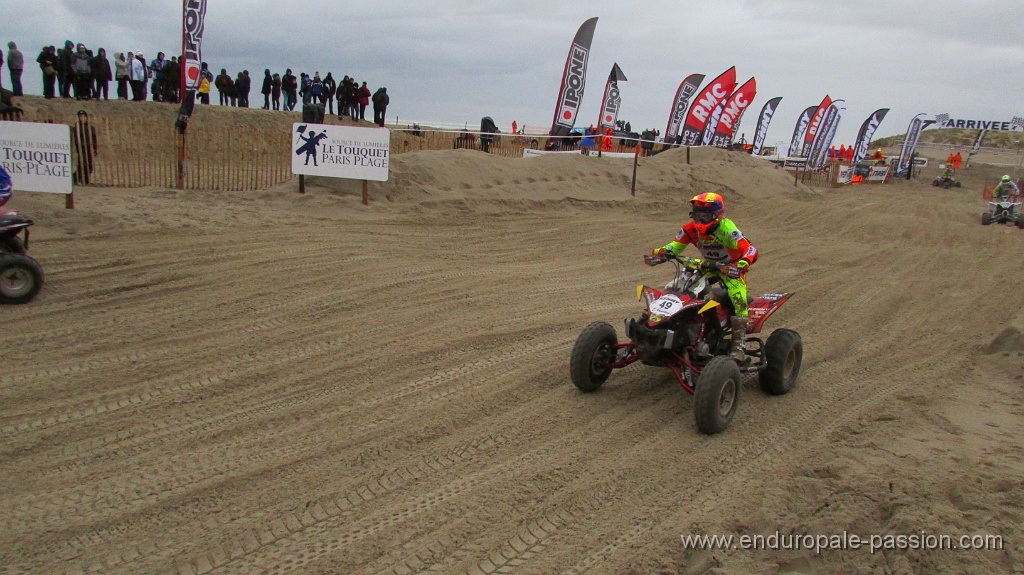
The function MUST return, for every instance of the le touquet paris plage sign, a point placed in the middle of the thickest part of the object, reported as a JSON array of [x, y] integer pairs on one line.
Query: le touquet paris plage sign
[[37, 156], [341, 151]]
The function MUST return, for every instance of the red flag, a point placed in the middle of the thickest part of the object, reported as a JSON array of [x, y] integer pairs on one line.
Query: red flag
[[732, 112], [704, 105]]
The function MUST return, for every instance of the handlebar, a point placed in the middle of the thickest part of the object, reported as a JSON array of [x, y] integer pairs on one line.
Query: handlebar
[[696, 264]]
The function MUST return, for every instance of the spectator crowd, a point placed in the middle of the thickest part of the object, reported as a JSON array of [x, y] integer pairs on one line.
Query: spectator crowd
[[77, 71]]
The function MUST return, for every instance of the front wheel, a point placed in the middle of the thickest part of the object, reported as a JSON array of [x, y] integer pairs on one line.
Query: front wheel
[[592, 356], [21, 278], [717, 395], [784, 352], [986, 218]]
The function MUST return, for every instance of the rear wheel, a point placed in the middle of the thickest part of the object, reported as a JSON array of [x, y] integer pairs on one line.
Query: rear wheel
[[11, 245], [592, 355], [986, 218], [1020, 221], [784, 352], [21, 278], [717, 395]]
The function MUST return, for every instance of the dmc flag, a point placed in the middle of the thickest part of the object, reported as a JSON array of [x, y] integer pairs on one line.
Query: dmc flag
[[574, 77], [610, 109], [910, 143], [675, 119], [825, 133], [761, 132], [867, 130], [732, 113], [800, 130], [812, 127], [705, 105], [193, 24]]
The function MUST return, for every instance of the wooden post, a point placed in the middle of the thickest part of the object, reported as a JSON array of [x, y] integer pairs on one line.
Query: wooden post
[[69, 201], [181, 161], [636, 160], [687, 155], [796, 177], [302, 184], [366, 193]]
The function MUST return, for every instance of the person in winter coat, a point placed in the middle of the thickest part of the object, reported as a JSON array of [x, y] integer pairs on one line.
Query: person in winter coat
[[275, 91], [380, 105], [65, 75], [225, 86], [48, 63], [16, 64], [243, 85], [268, 83], [364, 100], [330, 89], [121, 75], [81, 66], [101, 74], [289, 86]]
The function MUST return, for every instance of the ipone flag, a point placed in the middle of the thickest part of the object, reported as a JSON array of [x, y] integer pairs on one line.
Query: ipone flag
[[610, 109], [732, 112], [686, 89], [762, 124], [812, 127], [574, 77], [867, 131], [705, 105], [799, 131], [193, 24]]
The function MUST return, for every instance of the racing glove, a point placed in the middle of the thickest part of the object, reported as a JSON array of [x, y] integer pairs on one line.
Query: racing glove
[[661, 252], [736, 270]]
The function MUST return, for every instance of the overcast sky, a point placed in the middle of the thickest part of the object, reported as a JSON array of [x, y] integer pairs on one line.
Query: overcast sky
[[459, 60]]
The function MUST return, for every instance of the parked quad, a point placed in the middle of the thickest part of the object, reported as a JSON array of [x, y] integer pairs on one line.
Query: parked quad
[[686, 329]]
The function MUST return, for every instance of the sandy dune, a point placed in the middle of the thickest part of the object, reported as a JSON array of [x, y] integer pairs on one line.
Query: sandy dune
[[281, 383]]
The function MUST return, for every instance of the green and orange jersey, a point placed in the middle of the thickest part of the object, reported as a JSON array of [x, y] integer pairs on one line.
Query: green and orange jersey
[[719, 241]]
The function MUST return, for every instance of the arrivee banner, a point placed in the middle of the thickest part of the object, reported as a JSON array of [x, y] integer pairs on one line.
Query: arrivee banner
[[37, 156], [341, 151]]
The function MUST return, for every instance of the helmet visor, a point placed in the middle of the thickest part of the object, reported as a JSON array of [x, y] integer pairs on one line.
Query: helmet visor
[[702, 216]]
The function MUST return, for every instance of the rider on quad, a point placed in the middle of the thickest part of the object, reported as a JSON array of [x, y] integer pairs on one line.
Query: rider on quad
[[726, 252], [1006, 190]]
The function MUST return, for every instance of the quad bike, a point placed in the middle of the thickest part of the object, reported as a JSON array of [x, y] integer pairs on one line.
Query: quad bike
[[686, 328], [21, 276], [945, 183], [1004, 211]]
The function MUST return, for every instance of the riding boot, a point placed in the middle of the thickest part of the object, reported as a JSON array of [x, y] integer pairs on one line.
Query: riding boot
[[739, 334]]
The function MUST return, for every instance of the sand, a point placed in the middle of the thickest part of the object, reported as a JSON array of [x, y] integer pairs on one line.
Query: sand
[[269, 382]]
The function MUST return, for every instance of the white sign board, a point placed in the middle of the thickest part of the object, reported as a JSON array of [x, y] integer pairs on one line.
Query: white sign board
[[37, 156], [341, 151]]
